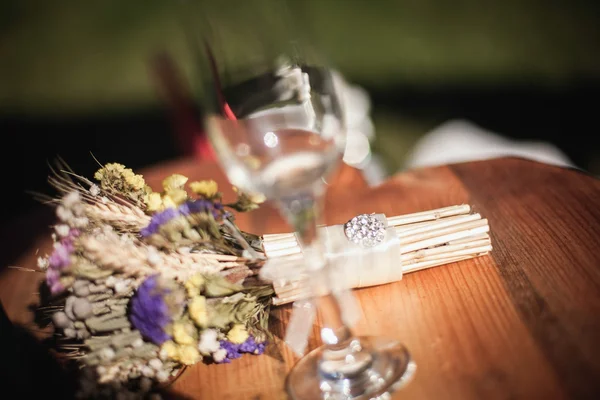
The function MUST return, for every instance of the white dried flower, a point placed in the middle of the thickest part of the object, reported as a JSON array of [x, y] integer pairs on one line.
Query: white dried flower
[[62, 230], [71, 199], [110, 281], [109, 375], [42, 263], [148, 371], [163, 354], [107, 354], [208, 342], [78, 209], [122, 285], [64, 214], [155, 363], [80, 222], [104, 199], [219, 355], [94, 190], [162, 376], [139, 342]]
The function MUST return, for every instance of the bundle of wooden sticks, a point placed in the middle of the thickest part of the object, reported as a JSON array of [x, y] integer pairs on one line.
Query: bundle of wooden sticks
[[427, 239]]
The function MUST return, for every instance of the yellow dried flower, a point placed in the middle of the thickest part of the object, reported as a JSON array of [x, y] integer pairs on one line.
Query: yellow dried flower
[[198, 311], [137, 182], [257, 198], [237, 334], [175, 181], [247, 201], [170, 350], [153, 202], [184, 333], [173, 196], [177, 196], [194, 285], [167, 202], [111, 170], [116, 177], [111, 167], [188, 355], [207, 189]]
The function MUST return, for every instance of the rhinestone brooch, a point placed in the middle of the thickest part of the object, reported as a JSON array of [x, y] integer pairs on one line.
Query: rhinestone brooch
[[365, 230]]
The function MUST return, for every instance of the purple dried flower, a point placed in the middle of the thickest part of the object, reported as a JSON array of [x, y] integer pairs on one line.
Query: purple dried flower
[[201, 205], [73, 233], [195, 206], [236, 350], [58, 260], [53, 281], [156, 303], [250, 346], [233, 350], [61, 256], [185, 209], [159, 219]]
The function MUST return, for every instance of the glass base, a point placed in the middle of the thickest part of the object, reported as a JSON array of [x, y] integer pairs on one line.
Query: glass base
[[384, 367]]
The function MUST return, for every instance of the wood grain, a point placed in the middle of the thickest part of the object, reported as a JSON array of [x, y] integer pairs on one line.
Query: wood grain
[[521, 323]]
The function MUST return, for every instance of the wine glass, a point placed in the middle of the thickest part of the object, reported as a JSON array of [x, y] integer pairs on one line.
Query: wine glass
[[272, 113]]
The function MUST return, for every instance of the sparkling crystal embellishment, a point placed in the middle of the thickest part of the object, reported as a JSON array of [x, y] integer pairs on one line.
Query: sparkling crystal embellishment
[[365, 230]]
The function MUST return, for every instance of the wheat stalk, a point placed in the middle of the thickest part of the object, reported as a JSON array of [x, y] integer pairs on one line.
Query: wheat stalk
[[115, 255], [134, 258], [122, 217]]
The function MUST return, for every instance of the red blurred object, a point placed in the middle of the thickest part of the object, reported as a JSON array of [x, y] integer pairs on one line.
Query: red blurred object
[[191, 138], [228, 112], [218, 86]]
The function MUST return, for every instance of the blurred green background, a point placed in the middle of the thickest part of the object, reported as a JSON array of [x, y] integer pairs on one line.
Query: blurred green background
[[75, 77]]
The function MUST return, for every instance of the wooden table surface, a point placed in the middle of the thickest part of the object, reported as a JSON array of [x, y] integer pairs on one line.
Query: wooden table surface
[[520, 323]]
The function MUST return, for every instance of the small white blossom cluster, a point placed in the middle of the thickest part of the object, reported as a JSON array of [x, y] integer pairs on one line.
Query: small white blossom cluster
[[43, 263], [209, 345], [94, 190], [71, 212]]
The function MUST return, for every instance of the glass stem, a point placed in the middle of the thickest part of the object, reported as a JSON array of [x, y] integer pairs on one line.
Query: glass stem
[[303, 214]]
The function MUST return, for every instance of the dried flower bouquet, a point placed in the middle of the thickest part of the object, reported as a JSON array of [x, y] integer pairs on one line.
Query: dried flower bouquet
[[143, 283]]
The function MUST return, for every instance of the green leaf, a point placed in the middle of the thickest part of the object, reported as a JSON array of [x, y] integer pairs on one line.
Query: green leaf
[[218, 286]]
